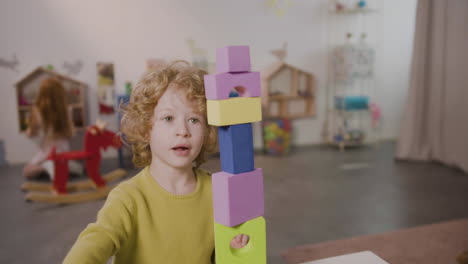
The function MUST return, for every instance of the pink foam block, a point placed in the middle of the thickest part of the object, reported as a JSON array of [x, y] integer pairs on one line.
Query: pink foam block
[[237, 198], [233, 59], [219, 86]]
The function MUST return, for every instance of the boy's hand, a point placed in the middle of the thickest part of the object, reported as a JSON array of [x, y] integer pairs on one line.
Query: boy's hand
[[239, 241]]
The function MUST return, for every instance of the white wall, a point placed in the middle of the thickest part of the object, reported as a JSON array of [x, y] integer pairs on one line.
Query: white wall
[[399, 21], [127, 33]]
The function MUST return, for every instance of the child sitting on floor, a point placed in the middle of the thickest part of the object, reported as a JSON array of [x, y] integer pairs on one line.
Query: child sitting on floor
[[49, 125]]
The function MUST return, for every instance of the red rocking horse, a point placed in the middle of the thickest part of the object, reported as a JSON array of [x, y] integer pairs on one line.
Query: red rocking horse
[[96, 138]]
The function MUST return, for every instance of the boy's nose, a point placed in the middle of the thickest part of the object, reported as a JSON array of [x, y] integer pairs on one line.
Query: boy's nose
[[182, 130]]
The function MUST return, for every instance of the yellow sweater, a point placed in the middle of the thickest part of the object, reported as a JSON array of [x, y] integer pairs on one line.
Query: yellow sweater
[[143, 223]]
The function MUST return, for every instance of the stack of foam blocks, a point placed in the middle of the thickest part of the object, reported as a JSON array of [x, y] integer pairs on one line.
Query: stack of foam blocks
[[233, 104]]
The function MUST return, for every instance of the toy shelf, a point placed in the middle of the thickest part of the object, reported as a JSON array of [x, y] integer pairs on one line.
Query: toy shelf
[[353, 42], [288, 92]]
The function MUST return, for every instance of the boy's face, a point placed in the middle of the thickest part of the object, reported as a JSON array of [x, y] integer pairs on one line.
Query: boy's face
[[178, 130]]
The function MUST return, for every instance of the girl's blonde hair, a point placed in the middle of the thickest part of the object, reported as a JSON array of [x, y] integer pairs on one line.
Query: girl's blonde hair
[[51, 103], [137, 115]]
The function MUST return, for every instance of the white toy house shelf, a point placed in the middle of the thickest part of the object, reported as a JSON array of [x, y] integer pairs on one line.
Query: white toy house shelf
[[287, 92], [27, 89]]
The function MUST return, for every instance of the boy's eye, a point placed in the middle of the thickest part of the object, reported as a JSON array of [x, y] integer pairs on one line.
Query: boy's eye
[[168, 118], [194, 120]]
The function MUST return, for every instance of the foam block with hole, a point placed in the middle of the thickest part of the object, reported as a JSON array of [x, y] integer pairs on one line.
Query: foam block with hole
[[218, 86], [233, 59], [237, 197], [236, 148], [233, 111], [255, 250]]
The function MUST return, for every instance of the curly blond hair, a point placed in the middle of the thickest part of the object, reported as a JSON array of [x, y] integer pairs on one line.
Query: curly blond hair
[[137, 115]]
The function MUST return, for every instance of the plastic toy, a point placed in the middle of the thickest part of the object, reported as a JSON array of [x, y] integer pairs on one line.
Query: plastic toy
[[96, 138], [276, 136]]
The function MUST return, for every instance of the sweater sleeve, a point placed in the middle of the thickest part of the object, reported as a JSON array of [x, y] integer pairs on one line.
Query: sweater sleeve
[[103, 239]]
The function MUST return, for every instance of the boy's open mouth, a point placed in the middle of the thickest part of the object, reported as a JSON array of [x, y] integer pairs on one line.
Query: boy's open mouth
[[181, 150], [181, 147]]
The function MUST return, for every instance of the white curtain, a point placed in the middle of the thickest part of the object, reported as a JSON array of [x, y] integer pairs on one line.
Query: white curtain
[[435, 121]]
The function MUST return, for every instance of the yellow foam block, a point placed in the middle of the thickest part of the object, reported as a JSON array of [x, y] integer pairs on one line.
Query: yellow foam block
[[233, 111], [255, 250]]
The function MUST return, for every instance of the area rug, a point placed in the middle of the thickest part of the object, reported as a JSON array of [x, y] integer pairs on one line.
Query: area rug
[[430, 244]]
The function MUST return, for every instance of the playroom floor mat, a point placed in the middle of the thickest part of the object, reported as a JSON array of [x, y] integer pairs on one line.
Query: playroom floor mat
[[428, 244]]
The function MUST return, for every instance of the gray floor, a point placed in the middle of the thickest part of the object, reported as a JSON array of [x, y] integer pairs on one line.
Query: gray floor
[[314, 195]]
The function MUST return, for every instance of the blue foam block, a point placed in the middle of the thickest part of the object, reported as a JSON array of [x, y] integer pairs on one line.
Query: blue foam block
[[236, 148]]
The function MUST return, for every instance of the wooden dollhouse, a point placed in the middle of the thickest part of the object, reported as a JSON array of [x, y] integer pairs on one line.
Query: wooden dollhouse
[[28, 88], [287, 92]]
